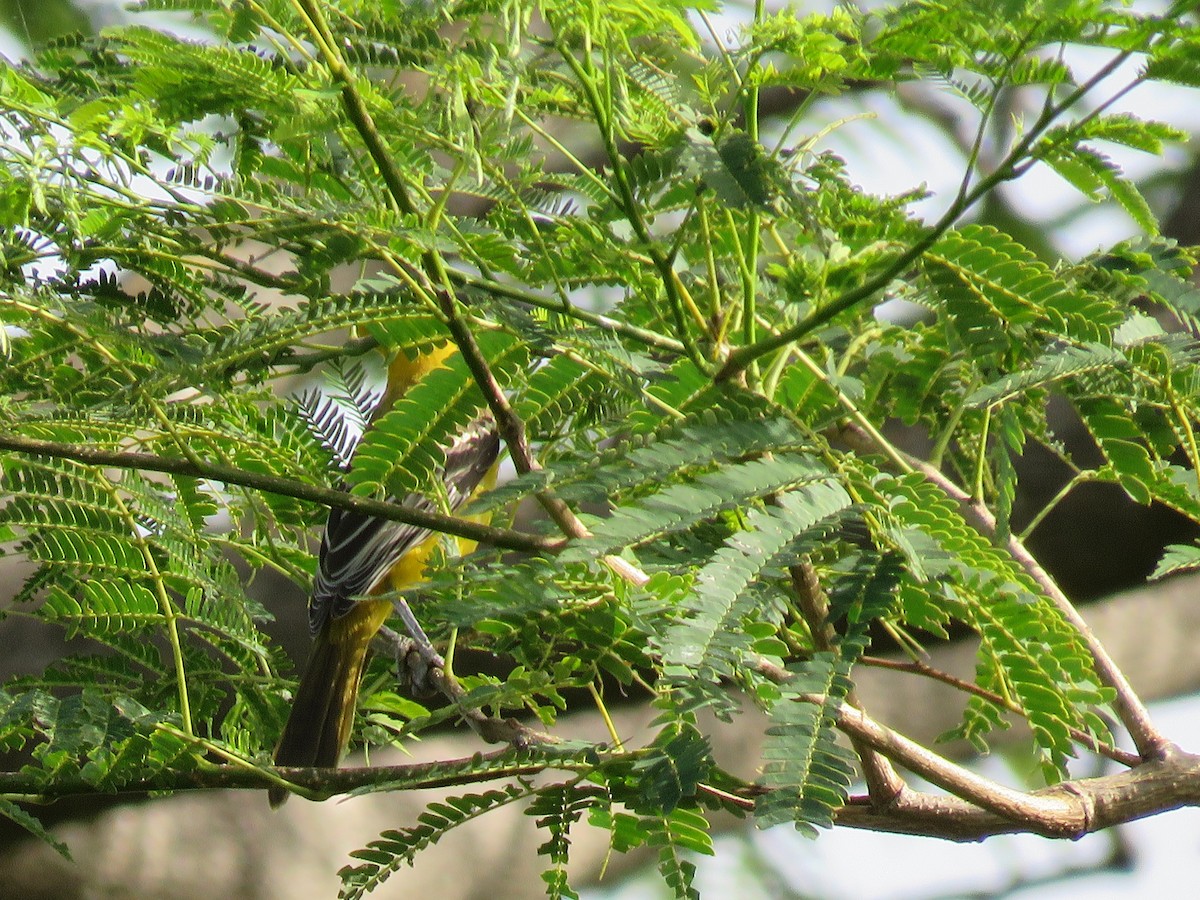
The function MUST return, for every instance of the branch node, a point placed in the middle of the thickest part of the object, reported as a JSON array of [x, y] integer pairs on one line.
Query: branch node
[[1087, 807]]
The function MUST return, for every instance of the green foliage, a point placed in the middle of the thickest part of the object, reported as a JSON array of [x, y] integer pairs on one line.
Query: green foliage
[[394, 849], [557, 808], [685, 334], [805, 770], [405, 447], [721, 620]]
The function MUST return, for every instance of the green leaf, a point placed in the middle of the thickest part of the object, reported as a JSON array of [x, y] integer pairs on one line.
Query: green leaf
[[1092, 173], [679, 507], [16, 814], [680, 759], [1057, 364], [395, 848], [712, 633], [1122, 444], [805, 769], [405, 448], [1177, 558], [639, 464], [991, 289]]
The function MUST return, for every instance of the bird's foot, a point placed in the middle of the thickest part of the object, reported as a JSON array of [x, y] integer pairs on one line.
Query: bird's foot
[[418, 667]]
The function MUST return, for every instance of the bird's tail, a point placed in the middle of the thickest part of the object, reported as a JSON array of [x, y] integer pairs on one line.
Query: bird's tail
[[318, 727]]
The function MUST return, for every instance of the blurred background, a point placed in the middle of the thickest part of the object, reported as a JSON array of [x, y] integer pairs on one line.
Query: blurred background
[[1098, 544]]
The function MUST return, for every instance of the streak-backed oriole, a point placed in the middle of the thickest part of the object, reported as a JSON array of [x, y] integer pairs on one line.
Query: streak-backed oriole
[[362, 560]]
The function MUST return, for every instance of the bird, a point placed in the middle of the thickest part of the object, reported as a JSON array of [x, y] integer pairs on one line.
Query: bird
[[363, 560]]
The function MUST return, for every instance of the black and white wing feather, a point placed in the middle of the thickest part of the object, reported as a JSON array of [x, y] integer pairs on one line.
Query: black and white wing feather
[[357, 551]]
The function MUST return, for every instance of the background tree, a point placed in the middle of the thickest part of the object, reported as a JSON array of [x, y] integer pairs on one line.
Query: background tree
[[751, 528]]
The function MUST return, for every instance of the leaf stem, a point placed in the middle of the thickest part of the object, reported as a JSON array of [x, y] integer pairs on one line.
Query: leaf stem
[[617, 744], [169, 612], [1077, 479], [677, 295], [1008, 169], [917, 667]]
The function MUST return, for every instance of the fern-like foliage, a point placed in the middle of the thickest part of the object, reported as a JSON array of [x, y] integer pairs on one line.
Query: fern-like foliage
[[393, 849], [716, 626], [807, 772], [667, 301]]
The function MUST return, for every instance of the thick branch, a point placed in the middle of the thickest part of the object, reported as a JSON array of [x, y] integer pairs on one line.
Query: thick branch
[[1052, 816], [1005, 802], [1067, 810], [285, 487], [1093, 803]]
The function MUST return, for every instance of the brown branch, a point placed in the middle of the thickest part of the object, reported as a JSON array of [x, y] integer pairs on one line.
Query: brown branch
[[285, 487], [1032, 813], [1116, 754], [1042, 815], [883, 784], [356, 108], [980, 807], [1134, 716], [494, 730], [1150, 743], [1089, 804]]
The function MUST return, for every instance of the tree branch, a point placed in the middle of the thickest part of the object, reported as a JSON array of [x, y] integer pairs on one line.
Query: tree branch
[[1095, 804], [1150, 743], [917, 667], [284, 487], [883, 784], [980, 807], [317, 783]]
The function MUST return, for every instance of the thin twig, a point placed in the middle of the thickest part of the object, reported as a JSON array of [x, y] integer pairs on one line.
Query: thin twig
[[500, 289], [512, 429], [1150, 743], [319, 783], [1134, 716], [1007, 170], [916, 667]]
